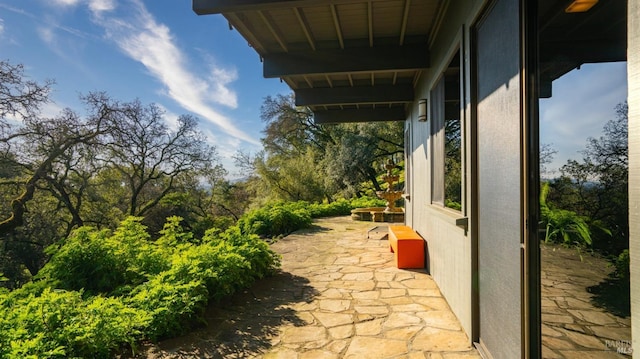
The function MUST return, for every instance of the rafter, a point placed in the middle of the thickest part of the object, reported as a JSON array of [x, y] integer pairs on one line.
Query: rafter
[[405, 19], [305, 27], [336, 23], [205, 7], [276, 34], [370, 22], [246, 30]]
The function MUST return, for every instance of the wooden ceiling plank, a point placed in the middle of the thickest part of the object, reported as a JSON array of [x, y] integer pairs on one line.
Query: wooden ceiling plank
[[273, 30], [405, 19], [370, 21], [435, 28], [359, 115], [383, 58], [328, 80], [309, 82], [354, 95], [207, 7], [336, 23], [304, 24], [247, 32]]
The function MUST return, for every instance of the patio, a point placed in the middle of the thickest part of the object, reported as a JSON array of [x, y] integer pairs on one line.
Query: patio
[[338, 296]]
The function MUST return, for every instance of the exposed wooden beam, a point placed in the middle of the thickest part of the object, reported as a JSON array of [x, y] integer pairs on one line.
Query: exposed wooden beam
[[359, 115], [246, 30], [354, 95], [405, 19], [305, 27], [326, 77], [370, 22], [584, 51], [308, 81], [206, 7], [336, 23], [383, 58], [272, 28]]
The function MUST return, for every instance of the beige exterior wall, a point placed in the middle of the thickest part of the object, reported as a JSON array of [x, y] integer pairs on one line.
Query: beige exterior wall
[[633, 73]]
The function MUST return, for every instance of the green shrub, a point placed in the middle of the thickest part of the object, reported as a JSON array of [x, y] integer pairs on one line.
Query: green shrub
[[262, 260], [135, 288], [282, 218], [89, 261], [622, 265], [275, 219], [453, 204], [101, 262], [365, 202], [61, 324]]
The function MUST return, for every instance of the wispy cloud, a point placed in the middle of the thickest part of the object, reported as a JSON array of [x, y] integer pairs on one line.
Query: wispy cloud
[[145, 40], [582, 102], [94, 5]]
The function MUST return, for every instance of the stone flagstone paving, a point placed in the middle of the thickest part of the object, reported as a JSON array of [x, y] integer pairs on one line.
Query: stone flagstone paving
[[572, 325], [338, 296]]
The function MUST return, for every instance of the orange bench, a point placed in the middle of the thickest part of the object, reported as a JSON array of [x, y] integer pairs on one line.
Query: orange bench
[[408, 247]]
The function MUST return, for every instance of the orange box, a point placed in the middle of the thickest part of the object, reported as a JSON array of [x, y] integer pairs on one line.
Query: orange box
[[408, 247]]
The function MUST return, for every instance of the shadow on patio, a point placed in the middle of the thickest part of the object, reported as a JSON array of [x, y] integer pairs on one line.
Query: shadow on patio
[[338, 295]]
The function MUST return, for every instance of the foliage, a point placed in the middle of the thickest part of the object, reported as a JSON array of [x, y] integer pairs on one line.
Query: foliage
[[597, 186], [20, 97], [363, 202], [621, 264], [73, 169], [62, 324], [562, 226], [453, 205], [277, 218], [102, 289], [306, 161], [281, 218], [453, 164]]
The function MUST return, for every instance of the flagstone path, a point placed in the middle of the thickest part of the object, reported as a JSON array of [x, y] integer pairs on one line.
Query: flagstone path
[[338, 295], [574, 323]]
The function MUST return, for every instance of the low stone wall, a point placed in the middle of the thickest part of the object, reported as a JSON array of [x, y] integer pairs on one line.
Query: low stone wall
[[376, 214]]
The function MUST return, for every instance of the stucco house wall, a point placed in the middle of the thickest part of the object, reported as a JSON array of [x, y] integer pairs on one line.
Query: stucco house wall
[[449, 245]]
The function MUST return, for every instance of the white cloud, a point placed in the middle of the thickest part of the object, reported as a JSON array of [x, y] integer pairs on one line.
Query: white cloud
[[97, 6], [170, 118], [65, 2], [151, 43], [1, 27]]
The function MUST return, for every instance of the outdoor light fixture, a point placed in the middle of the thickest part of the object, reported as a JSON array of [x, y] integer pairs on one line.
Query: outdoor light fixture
[[580, 6], [422, 110]]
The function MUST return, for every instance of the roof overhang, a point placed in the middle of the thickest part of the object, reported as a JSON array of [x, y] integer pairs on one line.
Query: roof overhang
[[348, 60], [359, 60]]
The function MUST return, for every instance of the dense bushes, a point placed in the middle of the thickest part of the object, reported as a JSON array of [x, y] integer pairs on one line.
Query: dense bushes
[[103, 290], [282, 218]]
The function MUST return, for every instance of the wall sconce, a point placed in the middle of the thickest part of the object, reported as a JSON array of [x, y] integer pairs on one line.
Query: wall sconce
[[422, 109]]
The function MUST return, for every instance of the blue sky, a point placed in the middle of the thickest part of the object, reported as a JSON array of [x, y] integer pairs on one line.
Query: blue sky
[[159, 51], [583, 101]]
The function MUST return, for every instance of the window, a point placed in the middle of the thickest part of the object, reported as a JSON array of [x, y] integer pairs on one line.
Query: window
[[407, 161], [446, 138]]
